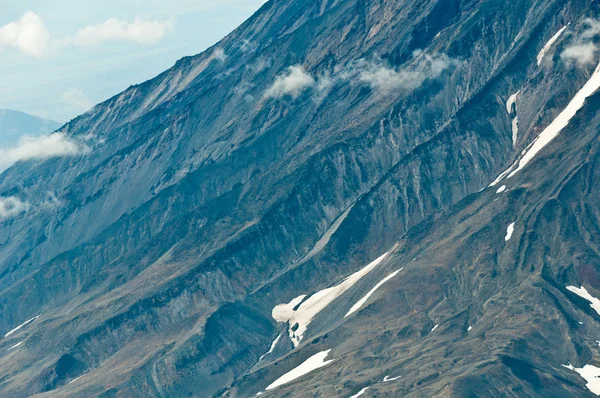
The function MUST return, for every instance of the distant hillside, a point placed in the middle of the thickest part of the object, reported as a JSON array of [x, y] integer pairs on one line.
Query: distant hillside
[[15, 124]]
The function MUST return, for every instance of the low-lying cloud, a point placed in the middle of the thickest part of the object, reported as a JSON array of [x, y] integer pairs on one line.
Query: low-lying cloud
[[292, 82], [219, 54], [592, 28], [28, 35], [384, 78], [583, 50], [41, 148], [12, 206], [583, 53], [376, 74]]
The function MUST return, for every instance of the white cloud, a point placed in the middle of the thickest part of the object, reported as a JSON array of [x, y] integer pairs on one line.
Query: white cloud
[[247, 46], [50, 146], [383, 78], [375, 74], [583, 50], [76, 100], [582, 53], [292, 82], [28, 35], [219, 54], [11, 206], [592, 28], [139, 31], [325, 83], [260, 65]]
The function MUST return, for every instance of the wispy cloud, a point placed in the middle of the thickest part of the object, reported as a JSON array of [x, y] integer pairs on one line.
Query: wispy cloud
[[28, 35], [592, 28], [12, 206], [583, 50], [138, 31], [376, 74], [247, 45], [40, 148], [384, 78], [219, 54], [292, 82], [583, 53], [76, 100]]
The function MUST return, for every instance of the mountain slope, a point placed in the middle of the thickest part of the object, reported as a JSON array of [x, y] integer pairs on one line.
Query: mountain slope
[[475, 311], [312, 140], [14, 125]]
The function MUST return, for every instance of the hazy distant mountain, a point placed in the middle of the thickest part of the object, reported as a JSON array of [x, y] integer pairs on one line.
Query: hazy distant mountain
[[15, 124], [391, 198]]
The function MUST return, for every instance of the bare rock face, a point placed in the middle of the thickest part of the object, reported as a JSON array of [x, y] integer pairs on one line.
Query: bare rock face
[[332, 200]]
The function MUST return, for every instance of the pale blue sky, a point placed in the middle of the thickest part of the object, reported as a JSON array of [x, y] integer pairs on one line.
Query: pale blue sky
[[54, 67]]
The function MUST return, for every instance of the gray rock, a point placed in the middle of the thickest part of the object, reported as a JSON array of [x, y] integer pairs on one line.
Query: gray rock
[[157, 260]]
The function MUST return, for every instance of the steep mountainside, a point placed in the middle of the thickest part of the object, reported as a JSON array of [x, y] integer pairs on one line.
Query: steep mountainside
[[14, 125], [318, 206]]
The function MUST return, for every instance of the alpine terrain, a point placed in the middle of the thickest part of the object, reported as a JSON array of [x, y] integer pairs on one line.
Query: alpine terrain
[[342, 198]]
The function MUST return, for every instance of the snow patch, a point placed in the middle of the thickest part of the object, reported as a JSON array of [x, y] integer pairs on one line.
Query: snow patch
[[21, 326], [554, 128], [435, 327], [300, 318], [324, 240], [363, 300], [512, 100], [511, 108], [501, 189], [284, 312], [583, 293], [591, 374], [361, 392], [75, 379], [315, 362], [388, 378], [15, 346], [549, 44], [515, 130], [273, 345], [509, 231], [469, 328]]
